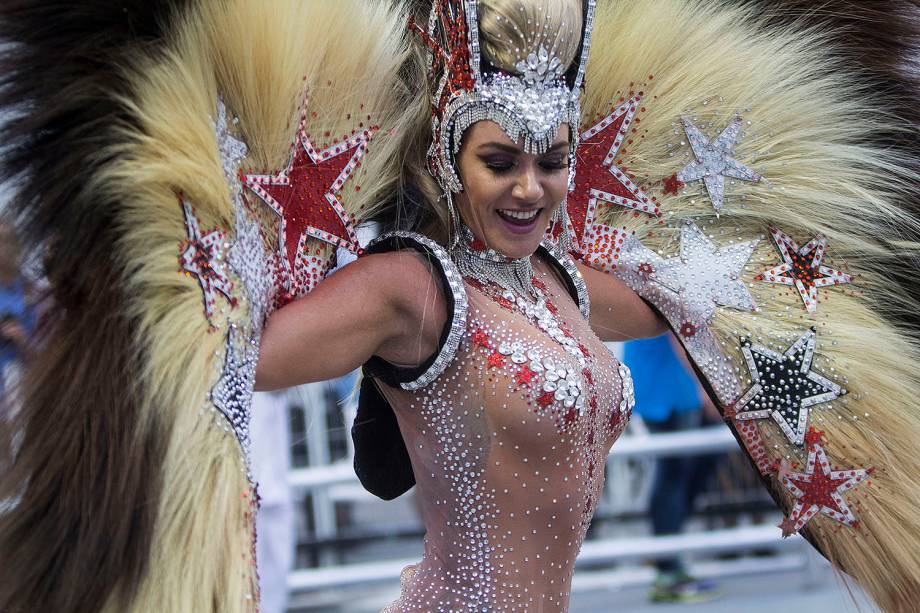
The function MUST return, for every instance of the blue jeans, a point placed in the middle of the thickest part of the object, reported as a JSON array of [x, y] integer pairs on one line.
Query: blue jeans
[[678, 481]]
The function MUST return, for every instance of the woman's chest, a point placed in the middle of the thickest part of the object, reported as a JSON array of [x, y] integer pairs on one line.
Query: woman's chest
[[539, 376]]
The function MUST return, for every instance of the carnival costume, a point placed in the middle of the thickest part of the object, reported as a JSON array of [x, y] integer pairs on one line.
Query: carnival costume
[[190, 166]]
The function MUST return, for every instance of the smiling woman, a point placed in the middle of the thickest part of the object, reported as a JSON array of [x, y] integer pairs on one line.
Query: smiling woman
[[510, 196], [487, 384]]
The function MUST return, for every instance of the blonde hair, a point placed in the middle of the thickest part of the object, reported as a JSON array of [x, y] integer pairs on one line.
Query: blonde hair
[[509, 30]]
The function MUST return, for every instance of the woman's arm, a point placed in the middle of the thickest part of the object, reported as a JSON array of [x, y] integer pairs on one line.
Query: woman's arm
[[617, 312], [387, 304]]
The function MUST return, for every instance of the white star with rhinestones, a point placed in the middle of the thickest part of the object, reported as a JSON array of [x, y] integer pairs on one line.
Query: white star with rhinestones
[[706, 276], [713, 160], [232, 150], [201, 255], [803, 267], [785, 387]]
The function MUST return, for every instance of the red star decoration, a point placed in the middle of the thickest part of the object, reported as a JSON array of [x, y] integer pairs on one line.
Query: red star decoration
[[452, 54], [201, 256], [645, 269], [540, 285], [305, 196], [672, 184], [820, 489], [598, 177], [803, 267], [496, 359], [589, 378], [552, 308], [481, 338], [570, 416], [525, 376], [546, 399]]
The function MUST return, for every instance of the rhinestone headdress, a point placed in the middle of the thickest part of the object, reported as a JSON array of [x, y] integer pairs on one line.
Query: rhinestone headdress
[[530, 106]]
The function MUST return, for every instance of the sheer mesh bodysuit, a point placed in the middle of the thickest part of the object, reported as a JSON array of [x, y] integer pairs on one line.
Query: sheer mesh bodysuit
[[508, 468]]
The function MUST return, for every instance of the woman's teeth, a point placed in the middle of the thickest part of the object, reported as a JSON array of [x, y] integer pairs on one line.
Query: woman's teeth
[[520, 215]]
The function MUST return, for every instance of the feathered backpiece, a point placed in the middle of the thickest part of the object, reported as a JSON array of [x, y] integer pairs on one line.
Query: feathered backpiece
[[754, 182], [187, 167]]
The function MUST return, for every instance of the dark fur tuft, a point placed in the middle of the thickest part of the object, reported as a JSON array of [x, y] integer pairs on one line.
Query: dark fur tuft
[[87, 469]]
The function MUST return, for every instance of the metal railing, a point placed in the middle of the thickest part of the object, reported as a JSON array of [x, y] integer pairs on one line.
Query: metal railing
[[327, 484]]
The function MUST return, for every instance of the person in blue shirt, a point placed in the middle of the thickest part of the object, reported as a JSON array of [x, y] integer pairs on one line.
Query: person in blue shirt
[[670, 398], [17, 319]]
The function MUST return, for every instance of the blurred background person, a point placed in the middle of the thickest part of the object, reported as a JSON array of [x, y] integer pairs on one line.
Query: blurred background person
[[669, 398], [275, 521]]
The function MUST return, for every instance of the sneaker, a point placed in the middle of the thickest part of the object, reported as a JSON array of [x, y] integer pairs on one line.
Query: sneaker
[[681, 587]]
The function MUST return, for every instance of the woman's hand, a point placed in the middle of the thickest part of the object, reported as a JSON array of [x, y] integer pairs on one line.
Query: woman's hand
[[388, 304]]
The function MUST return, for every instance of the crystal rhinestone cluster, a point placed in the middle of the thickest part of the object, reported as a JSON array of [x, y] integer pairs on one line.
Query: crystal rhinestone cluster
[[785, 386], [232, 395], [820, 489], [803, 267]]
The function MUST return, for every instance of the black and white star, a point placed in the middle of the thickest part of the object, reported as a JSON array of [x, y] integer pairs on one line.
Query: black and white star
[[785, 386]]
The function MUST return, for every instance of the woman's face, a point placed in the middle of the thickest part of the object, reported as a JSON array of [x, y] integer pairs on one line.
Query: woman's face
[[509, 196]]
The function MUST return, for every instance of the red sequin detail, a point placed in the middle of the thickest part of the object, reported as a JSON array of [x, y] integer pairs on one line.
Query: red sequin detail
[[672, 184], [496, 360], [524, 376]]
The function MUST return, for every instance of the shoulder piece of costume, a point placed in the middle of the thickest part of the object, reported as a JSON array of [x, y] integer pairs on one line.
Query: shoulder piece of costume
[[187, 166], [755, 184], [454, 291]]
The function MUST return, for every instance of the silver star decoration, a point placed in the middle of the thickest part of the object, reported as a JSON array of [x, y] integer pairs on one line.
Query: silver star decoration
[[714, 162], [232, 394], [785, 386], [706, 276], [232, 150]]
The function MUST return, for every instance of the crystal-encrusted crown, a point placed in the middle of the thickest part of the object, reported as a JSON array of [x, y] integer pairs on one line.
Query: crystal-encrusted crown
[[529, 106]]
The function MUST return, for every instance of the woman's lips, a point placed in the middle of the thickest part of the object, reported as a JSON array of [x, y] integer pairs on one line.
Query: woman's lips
[[519, 221]]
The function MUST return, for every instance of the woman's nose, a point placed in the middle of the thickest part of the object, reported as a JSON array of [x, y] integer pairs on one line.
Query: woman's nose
[[528, 187]]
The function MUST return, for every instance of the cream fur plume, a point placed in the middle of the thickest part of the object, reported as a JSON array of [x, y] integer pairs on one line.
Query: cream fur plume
[[804, 119], [260, 56]]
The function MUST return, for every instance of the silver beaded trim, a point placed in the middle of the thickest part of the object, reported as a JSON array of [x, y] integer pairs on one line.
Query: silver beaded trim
[[568, 264], [458, 317]]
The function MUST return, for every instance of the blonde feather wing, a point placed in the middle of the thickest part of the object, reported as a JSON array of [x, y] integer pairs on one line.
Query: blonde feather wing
[[768, 236]]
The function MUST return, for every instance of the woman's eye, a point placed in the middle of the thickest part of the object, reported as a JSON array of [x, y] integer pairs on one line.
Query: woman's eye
[[499, 166], [554, 163]]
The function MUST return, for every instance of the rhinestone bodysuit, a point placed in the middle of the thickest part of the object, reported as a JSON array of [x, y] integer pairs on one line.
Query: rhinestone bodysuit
[[508, 445]]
